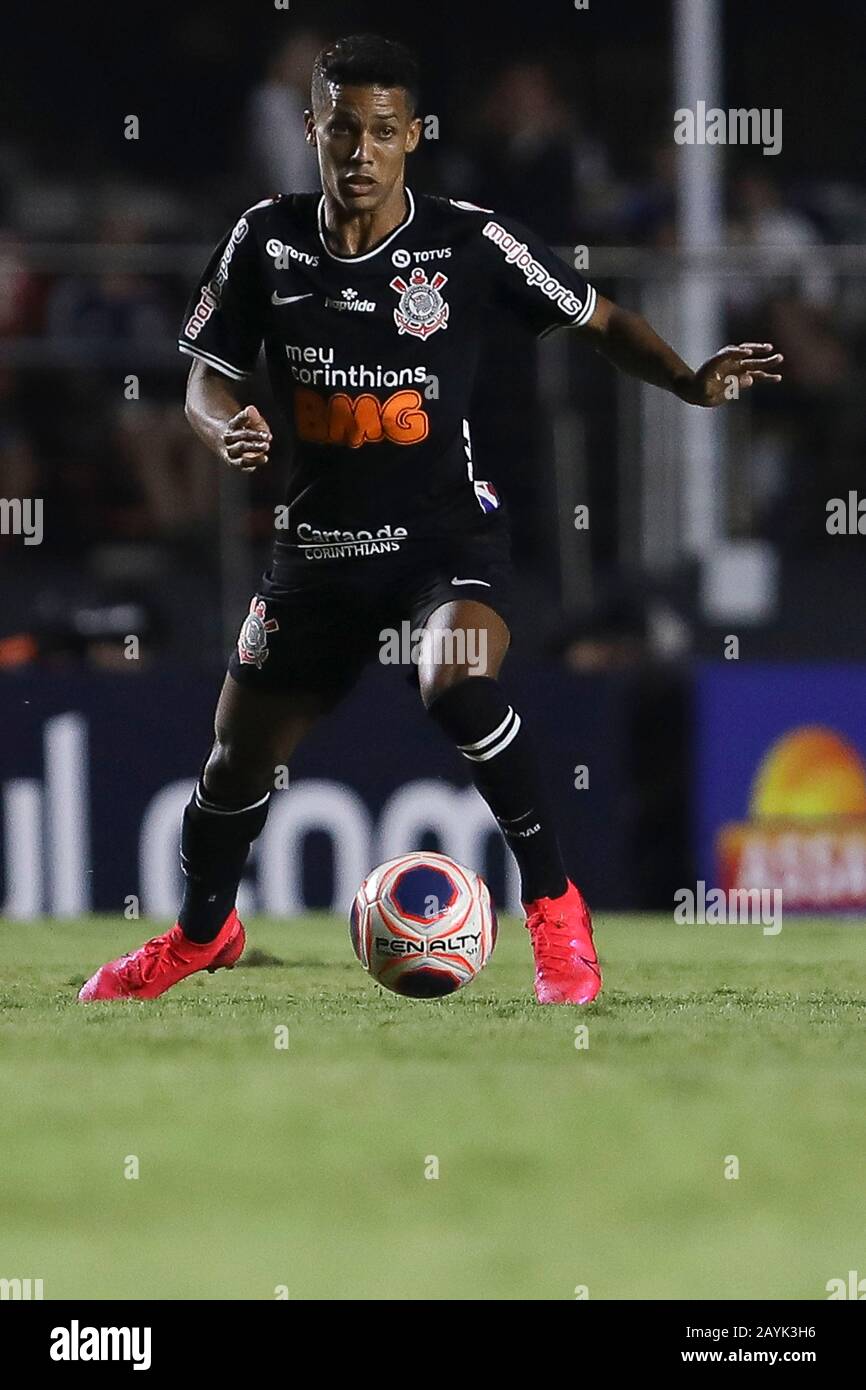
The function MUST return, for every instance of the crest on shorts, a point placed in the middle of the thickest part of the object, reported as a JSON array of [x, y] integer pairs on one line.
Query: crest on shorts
[[253, 636], [421, 309]]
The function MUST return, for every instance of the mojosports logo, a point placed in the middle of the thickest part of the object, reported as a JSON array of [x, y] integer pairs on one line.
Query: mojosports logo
[[211, 293], [518, 253]]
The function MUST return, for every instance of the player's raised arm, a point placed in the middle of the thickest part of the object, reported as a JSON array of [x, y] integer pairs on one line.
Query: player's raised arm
[[548, 293], [630, 343], [239, 435]]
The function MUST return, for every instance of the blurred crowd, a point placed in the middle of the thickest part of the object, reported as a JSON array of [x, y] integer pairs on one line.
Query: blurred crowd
[[91, 386]]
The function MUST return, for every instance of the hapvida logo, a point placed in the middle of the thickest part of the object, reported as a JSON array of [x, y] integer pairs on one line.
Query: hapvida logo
[[77, 1343], [351, 301]]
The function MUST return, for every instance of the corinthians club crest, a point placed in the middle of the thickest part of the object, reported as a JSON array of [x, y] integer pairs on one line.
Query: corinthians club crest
[[253, 636], [422, 309]]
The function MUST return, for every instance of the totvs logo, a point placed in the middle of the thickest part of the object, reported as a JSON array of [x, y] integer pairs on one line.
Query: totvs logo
[[357, 420]]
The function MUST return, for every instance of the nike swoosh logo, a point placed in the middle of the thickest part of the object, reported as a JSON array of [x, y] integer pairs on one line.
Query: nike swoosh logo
[[471, 581], [289, 299]]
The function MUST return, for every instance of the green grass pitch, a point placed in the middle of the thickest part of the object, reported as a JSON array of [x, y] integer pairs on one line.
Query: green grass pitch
[[262, 1168]]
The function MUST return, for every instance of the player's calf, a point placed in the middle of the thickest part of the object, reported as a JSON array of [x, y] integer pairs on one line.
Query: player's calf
[[216, 835], [214, 846], [488, 731]]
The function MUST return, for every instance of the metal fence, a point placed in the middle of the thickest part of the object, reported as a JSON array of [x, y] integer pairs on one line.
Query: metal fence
[[681, 488]]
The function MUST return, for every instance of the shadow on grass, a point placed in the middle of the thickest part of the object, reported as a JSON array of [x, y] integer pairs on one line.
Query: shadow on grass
[[255, 959]]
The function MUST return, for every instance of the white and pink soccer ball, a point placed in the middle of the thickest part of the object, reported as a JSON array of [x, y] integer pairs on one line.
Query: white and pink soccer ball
[[423, 925]]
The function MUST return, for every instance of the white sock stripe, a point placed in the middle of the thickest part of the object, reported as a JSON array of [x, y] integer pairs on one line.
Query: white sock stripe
[[515, 820], [498, 747], [488, 738], [205, 805]]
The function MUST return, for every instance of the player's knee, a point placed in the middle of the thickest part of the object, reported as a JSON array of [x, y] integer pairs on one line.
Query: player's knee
[[437, 679], [237, 775]]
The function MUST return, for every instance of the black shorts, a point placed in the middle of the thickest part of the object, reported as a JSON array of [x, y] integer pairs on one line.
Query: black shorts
[[315, 624]]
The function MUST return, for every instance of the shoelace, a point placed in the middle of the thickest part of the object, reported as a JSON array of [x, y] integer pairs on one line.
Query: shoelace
[[556, 947], [552, 941], [140, 966]]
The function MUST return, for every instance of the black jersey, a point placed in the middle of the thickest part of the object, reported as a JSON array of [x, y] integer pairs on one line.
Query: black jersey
[[372, 359]]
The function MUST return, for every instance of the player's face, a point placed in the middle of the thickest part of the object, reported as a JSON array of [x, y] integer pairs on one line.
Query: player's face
[[362, 135]]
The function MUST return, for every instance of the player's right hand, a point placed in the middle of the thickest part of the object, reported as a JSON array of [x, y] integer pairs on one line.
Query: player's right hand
[[246, 440]]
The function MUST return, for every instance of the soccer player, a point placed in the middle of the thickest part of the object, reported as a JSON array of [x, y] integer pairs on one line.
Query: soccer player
[[368, 300]]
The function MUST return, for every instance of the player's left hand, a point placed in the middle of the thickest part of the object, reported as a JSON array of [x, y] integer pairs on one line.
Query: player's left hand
[[730, 371]]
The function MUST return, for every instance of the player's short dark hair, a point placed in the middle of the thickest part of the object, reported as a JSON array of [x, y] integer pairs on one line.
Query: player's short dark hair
[[366, 60]]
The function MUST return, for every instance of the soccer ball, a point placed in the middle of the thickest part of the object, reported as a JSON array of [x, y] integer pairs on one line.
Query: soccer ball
[[423, 925]]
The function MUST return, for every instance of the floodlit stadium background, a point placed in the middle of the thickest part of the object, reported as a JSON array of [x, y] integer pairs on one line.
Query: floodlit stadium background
[[701, 530]]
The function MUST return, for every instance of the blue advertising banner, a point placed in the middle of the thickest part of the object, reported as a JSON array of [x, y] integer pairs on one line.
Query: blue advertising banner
[[95, 770], [780, 781]]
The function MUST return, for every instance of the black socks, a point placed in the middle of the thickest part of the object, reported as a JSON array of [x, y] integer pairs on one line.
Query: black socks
[[214, 844], [489, 733], [475, 715]]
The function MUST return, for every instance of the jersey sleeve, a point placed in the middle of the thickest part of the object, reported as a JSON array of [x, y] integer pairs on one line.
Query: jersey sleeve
[[224, 322], [530, 279]]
